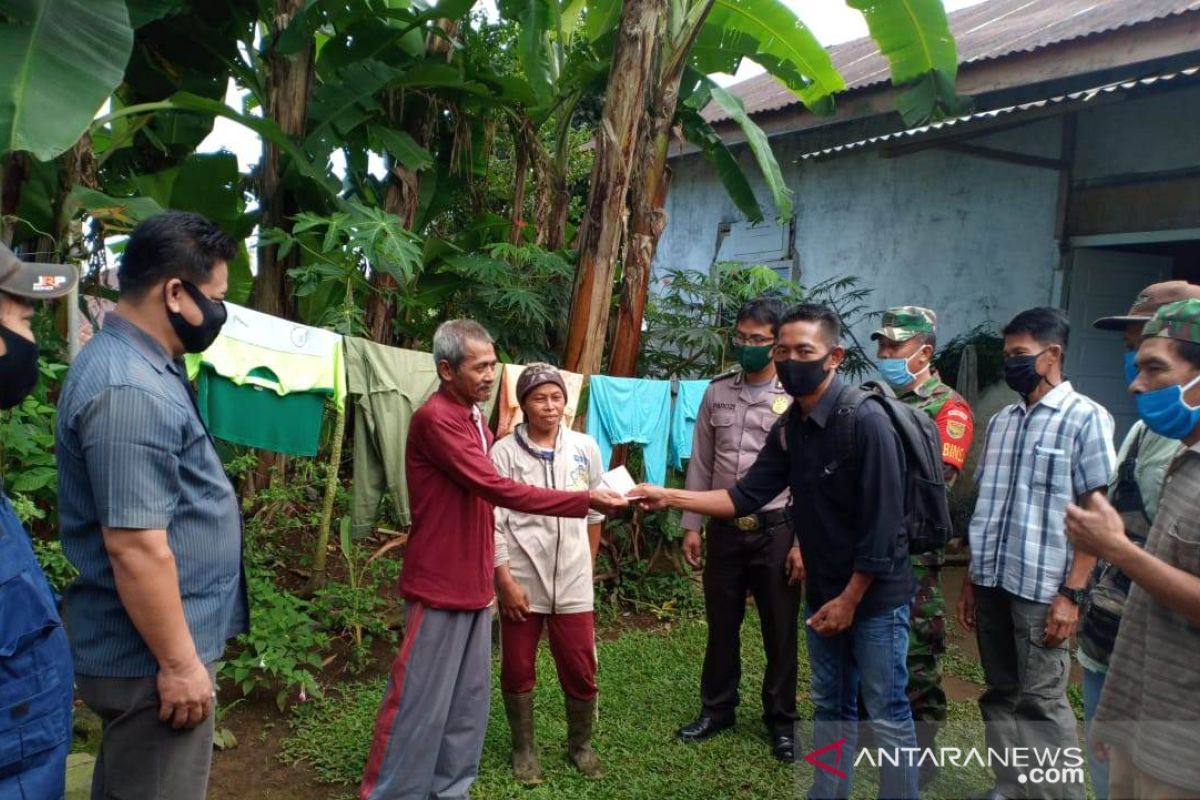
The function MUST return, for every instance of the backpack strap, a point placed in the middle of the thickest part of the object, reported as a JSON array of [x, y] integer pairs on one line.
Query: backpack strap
[[844, 429]]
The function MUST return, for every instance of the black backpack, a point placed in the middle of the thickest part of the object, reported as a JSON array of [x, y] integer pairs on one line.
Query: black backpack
[[927, 513]]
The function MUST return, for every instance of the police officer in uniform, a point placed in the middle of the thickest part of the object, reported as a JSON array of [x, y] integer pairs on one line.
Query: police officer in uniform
[[906, 343], [755, 553], [36, 673]]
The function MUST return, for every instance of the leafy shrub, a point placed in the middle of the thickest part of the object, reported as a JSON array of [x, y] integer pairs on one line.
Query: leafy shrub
[[27, 446], [285, 647]]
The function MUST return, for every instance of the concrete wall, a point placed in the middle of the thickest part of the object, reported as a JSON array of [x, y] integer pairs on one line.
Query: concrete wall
[[971, 238]]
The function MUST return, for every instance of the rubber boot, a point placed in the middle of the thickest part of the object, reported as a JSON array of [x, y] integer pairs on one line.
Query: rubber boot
[[580, 715], [519, 709]]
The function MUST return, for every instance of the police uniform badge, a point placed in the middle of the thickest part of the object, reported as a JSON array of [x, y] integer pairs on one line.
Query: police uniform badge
[[780, 405]]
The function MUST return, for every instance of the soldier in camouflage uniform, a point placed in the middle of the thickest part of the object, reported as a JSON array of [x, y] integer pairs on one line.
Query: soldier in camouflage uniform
[[906, 343]]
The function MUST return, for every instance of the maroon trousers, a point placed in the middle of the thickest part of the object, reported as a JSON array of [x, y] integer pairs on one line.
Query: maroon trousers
[[572, 643]]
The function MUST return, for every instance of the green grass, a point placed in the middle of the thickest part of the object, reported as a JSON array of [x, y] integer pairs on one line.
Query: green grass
[[648, 687]]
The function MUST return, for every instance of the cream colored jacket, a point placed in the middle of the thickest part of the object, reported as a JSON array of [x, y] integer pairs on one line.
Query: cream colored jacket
[[548, 556]]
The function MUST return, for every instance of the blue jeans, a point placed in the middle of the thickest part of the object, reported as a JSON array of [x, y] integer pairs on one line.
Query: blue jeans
[[871, 654], [1093, 684]]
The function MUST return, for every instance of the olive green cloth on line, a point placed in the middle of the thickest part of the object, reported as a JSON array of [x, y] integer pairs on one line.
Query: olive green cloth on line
[[387, 385], [254, 416]]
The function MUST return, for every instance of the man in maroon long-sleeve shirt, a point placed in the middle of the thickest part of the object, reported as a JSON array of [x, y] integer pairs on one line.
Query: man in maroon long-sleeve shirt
[[429, 732]]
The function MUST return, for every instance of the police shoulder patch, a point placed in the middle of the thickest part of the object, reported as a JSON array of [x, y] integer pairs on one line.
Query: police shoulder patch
[[780, 405]]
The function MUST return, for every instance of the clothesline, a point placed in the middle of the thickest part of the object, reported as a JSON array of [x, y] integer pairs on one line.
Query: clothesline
[[264, 382]]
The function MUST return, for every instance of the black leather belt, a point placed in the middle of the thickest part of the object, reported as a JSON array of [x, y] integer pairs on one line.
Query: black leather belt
[[752, 523]]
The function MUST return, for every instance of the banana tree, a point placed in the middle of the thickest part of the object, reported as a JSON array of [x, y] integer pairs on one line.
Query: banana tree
[[706, 36]]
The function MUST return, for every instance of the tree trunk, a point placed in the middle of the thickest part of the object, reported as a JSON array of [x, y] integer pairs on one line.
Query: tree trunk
[[648, 219], [402, 197], [516, 217], [289, 87], [331, 486], [604, 223]]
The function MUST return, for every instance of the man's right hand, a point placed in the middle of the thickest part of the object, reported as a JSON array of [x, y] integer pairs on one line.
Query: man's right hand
[[691, 548], [649, 497], [514, 600], [185, 694], [966, 605], [606, 501]]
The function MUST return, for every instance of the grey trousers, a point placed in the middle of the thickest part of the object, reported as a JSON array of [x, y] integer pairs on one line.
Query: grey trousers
[[1025, 704], [429, 732], [141, 758]]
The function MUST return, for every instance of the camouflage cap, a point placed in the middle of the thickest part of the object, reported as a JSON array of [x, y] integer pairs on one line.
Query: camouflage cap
[[901, 323], [34, 281], [1148, 301], [1179, 320]]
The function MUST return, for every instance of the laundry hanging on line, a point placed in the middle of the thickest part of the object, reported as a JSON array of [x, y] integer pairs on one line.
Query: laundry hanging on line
[[631, 411], [387, 385], [683, 419], [264, 381]]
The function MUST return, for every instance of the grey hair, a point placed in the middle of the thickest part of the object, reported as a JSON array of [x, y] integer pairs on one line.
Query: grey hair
[[450, 340]]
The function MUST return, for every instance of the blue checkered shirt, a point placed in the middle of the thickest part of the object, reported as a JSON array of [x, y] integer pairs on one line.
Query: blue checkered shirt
[[1034, 462]]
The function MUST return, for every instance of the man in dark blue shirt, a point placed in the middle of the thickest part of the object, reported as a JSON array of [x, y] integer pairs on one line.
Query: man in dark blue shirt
[[36, 681], [849, 518]]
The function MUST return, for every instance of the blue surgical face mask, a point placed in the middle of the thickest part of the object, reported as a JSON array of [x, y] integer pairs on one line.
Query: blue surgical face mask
[[1131, 369], [1166, 412], [896, 372]]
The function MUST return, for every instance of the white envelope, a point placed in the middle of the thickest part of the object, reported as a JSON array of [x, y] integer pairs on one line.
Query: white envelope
[[618, 480]]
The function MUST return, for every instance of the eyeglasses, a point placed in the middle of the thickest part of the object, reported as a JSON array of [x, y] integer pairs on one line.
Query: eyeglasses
[[754, 341]]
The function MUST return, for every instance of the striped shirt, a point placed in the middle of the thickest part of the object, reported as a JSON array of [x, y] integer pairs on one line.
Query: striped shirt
[[1035, 461], [1150, 707], [133, 453]]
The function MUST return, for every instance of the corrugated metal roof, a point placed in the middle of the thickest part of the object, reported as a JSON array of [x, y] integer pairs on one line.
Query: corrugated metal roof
[[1085, 96], [983, 32]]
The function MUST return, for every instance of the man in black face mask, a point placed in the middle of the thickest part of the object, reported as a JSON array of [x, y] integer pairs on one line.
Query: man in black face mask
[[1025, 583], [35, 666], [149, 518], [849, 519]]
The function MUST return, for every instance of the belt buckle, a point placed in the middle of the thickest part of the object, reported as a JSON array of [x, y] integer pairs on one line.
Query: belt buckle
[[746, 524]]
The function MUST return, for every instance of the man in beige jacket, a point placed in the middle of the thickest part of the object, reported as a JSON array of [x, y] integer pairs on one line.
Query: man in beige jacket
[[544, 572]]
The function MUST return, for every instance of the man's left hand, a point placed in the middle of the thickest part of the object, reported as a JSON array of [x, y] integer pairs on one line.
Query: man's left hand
[[1097, 528], [832, 618], [1060, 621]]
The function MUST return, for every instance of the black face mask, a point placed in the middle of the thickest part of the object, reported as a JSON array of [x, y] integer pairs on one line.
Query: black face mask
[[1021, 375], [18, 368], [801, 378], [197, 338]]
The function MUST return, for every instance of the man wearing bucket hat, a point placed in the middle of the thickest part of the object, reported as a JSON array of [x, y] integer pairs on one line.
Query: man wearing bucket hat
[[1134, 492], [1149, 710], [906, 342], [35, 660], [544, 572]]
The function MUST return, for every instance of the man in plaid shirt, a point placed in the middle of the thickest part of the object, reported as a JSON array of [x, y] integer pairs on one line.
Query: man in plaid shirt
[[1025, 583]]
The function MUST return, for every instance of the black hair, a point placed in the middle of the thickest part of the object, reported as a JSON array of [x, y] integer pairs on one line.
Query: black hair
[[1045, 324], [176, 244], [763, 310], [1188, 351], [825, 316]]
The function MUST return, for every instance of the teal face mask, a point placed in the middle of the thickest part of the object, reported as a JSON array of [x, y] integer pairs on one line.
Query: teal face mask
[[1131, 369]]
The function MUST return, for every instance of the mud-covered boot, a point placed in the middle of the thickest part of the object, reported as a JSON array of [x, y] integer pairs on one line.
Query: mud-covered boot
[[519, 709], [580, 715]]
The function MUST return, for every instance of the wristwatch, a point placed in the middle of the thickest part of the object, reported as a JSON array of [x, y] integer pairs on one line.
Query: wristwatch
[[1076, 596]]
